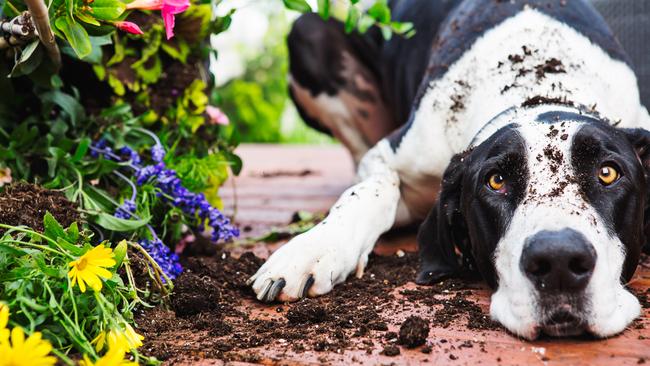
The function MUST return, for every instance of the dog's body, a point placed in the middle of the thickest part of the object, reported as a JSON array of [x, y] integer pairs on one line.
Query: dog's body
[[515, 90]]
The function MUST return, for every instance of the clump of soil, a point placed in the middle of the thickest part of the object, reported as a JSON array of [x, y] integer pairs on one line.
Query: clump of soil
[[307, 313], [215, 315], [538, 100], [550, 66], [390, 350], [26, 204], [413, 332]]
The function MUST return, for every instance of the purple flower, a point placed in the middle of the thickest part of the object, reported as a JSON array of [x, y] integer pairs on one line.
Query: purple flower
[[132, 155], [161, 253], [142, 175], [157, 153], [100, 148], [126, 210], [194, 205]]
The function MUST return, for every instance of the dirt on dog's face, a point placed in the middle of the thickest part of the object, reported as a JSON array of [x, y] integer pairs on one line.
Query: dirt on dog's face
[[552, 213]]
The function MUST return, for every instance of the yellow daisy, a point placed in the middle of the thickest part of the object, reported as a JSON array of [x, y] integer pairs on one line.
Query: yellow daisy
[[111, 358], [90, 267], [4, 320], [126, 339], [33, 351]]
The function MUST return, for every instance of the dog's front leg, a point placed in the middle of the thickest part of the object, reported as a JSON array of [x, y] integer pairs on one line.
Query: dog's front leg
[[314, 262]]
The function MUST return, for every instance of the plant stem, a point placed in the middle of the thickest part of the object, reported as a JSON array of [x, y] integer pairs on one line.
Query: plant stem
[[37, 246], [41, 19], [63, 357], [75, 332], [32, 232]]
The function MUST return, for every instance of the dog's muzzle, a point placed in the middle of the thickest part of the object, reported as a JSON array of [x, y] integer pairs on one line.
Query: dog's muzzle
[[560, 265]]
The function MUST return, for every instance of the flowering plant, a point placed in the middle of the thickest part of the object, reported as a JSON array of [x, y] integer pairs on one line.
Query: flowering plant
[[125, 130], [44, 275]]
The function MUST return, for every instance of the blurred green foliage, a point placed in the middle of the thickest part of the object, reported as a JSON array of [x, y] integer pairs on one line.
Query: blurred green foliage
[[258, 102]]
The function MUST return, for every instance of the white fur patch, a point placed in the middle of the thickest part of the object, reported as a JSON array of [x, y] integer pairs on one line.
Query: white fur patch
[[553, 202]]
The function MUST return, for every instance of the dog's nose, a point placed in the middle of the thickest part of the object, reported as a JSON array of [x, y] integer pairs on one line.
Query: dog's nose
[[558, 261]]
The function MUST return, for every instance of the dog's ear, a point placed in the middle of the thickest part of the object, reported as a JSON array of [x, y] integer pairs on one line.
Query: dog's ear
[[444, 228], [640, 140]]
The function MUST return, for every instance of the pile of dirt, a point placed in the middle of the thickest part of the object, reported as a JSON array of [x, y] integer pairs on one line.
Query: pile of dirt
[[215, 315], [26, 204], [413, 332]]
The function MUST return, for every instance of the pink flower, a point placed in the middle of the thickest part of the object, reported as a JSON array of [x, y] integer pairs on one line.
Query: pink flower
[[217, 117], [128, 27], [168, 10], [5, 176]]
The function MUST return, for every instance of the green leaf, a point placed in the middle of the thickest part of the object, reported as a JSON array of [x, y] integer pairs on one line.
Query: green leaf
[[380, 12], [178, 50], [72, 232], [152, 74], [297, 5], [235, 161], [73, 249], [10, 250], [107, 9], [387, 33], [47, 270], [76, 35], [81, 150], [352, 19], [53, 229], [113, 223], [69, 104], [365, 23], [86, 18], [30, 59], [324, 9], [120, 253], [56, 154]]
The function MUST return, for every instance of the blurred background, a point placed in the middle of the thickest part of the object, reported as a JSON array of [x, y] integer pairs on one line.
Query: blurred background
[[251, 74]]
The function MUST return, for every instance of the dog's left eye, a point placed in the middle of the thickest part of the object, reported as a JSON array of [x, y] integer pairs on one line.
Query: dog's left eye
[[497, 182], [608, 175]]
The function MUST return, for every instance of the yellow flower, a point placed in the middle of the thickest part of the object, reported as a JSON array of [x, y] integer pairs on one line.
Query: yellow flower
[[33, 351], [111, 358], [4, 320], [90, 266], [126, 339]]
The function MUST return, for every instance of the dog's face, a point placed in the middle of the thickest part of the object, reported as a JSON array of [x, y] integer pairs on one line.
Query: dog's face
[[552, 213]]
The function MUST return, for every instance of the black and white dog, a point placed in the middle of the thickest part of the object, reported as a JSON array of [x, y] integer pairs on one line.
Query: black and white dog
[[524, 115]]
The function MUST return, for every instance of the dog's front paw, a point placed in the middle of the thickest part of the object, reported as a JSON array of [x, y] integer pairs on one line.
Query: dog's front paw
[[309, 265]]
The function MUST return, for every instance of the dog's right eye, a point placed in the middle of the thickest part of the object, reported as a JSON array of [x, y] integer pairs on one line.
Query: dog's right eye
[[497, 182]]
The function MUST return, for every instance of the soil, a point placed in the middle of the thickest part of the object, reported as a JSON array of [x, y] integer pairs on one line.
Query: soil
[[26, 204], [210, 302], [538, 99], [286, 173], [413, 332]]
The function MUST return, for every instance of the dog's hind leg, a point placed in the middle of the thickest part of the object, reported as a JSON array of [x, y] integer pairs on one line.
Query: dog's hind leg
[[334, 82]]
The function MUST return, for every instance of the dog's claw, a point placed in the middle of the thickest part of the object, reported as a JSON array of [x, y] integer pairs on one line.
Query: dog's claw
[[251, 280], [275, 290], [308, 283], [265, 288]]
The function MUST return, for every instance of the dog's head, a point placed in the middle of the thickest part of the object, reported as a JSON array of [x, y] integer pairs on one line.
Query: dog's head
[[550, 210]]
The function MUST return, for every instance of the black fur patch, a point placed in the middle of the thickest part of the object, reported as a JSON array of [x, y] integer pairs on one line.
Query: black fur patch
[[620, 205]]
